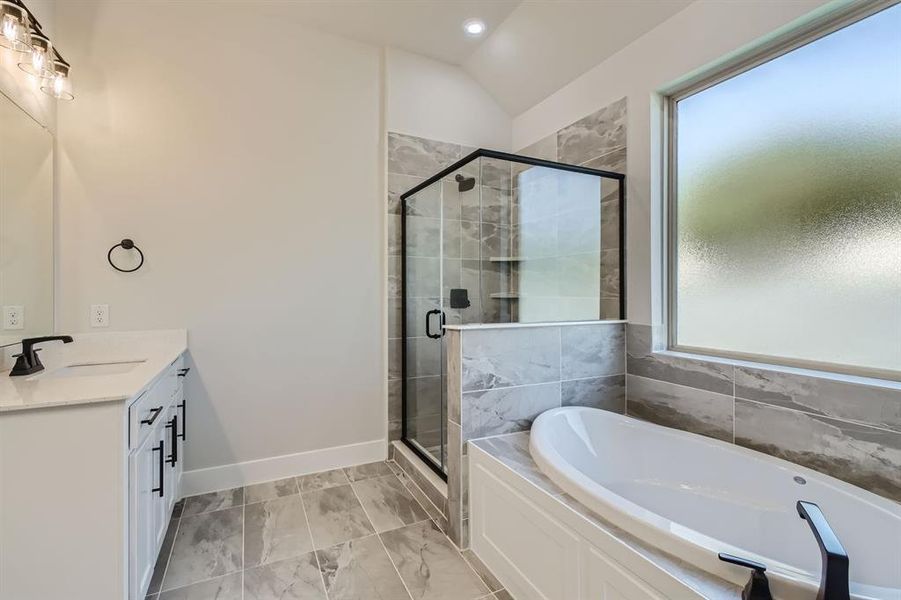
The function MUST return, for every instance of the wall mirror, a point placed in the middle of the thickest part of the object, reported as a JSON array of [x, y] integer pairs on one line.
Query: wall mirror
[[26, 225]]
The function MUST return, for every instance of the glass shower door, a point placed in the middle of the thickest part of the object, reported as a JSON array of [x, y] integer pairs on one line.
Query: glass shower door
[[440, 277], [423, 355]]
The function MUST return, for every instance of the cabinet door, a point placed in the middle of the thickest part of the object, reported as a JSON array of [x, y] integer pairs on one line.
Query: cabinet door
[[181, 407], [173, 457], [143, 474]]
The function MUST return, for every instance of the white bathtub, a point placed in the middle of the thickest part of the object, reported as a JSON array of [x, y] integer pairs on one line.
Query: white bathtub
[[693, 497]]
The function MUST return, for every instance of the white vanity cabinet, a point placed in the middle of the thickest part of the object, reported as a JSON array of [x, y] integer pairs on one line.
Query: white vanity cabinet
[[155, 461], [90, 467]]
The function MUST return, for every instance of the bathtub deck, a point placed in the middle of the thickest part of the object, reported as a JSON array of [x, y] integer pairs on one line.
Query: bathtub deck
[[512, 451]]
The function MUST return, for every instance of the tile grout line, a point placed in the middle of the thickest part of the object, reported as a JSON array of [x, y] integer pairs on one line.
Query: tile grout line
[[379, 537], [312, 541]]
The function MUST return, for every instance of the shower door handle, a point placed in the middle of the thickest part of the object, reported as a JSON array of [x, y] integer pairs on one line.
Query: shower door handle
[[428, 323]]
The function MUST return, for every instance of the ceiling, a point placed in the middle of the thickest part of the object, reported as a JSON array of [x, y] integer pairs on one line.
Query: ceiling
[[532, 47]]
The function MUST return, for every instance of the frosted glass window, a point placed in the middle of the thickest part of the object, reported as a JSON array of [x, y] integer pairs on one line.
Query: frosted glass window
[[788, 204]]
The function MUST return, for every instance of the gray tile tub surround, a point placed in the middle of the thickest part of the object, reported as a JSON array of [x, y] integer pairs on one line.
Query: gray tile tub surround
[[843, 426]]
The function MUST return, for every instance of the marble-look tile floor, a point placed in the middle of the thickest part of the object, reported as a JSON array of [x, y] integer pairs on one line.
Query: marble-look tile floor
[[346, 534]]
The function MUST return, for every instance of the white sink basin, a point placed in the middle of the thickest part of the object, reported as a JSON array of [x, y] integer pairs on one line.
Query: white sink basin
[[94, 369]]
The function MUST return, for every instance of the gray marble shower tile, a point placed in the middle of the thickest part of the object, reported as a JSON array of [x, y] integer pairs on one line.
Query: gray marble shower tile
[[433, 511], [269, 490], [611, 309], [194, 505], [292, 579], [610, 274], [495, 173], [395, 400], [422, 277], [206, 546], [424, 354], [545, 148], [482, 571], [162, 559], [395, 318], [421, 157], [373, 469], [680, 407], [320, 481], [397, 185], [395, 429], [395, 352], [429, 564], [423, 237], [496, 205], [878, 405], [275, 530], [395, 241], [387, 503], [495, 358], [335, 515], [864, 456], [424, 396], [608, 393], [455, 482], [220, 588], [453, 377], [513, 451], [496, 241], [395, 277], [360, 569], [610, 234], [701, 374], [594, 135], [506, 410], [424, 203], [592, 350], [614, 160]]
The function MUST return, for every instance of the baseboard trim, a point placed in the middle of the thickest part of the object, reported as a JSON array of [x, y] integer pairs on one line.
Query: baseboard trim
[[201, 481]]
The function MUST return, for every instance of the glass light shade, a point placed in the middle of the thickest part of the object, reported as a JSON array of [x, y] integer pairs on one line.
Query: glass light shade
[[40, 62], [59, 85], [14, 29]]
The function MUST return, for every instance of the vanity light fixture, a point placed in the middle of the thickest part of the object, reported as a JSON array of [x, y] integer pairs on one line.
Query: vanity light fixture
[[14, 27], [21, 32], [474, 27], [59, 85], [40, 61]]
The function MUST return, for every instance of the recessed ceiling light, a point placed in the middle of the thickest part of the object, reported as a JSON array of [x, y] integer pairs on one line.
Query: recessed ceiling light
[[474, 27]]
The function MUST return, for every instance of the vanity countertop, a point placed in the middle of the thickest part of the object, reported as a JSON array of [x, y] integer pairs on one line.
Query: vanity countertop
[[153, 350]]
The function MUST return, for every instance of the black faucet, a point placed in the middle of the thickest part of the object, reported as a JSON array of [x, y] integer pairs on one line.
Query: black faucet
[[28, 362], [758, 587], [834, 577]]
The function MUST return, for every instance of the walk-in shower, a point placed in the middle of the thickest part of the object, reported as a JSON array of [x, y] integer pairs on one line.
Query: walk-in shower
[[500, 238]]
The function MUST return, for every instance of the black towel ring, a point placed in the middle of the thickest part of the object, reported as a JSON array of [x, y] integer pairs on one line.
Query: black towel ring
[[126, 244]]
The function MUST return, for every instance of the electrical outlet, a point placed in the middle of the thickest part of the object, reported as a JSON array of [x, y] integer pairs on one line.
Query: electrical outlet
[[100, 315], [13, 317]]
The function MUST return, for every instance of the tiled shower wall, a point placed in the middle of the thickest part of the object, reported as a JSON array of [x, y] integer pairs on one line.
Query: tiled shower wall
[[849, 428], [500, 379], [411, 160], [597, 141]]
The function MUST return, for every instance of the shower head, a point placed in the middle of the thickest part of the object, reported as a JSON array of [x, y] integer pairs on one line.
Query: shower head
[[464, 183]]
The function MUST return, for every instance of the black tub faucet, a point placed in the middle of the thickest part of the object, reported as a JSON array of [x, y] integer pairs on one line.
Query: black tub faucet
[[758, 586], [834, 578], [28, 362]]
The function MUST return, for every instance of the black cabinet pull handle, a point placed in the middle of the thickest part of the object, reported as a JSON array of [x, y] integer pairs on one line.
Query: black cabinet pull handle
[[162, 450], [183, 372], [154, 413], [184, 420], [172, 426], [428, 324]]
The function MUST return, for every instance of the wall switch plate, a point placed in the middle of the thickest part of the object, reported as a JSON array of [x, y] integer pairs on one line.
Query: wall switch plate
[[100, 315], [13, 317]]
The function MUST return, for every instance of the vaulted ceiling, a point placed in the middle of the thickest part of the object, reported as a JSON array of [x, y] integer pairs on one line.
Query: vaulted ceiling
[[531, 48]]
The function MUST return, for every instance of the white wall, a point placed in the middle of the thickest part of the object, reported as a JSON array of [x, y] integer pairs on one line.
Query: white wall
[[704, 33], [243, 154], [435, 100]]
